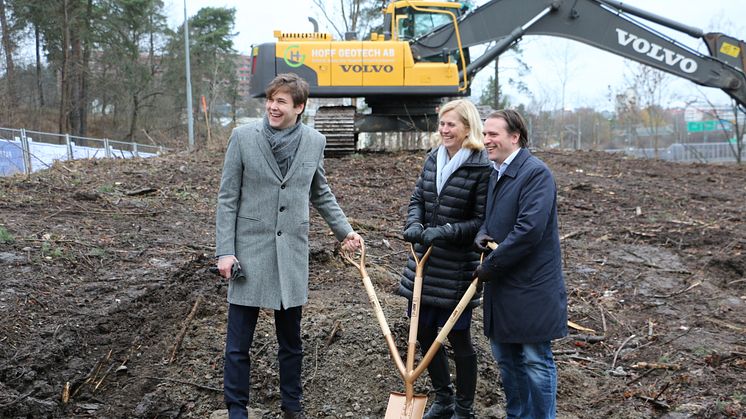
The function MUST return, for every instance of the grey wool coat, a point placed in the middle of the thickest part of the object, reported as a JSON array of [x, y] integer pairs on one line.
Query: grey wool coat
[[263, 217]]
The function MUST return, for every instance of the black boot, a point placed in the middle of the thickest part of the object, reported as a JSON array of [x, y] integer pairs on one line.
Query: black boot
[[466, 386], [442, 407], [293, 415]]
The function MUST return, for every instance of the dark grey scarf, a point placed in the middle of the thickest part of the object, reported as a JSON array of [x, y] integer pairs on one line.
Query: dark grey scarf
[[284, 143]]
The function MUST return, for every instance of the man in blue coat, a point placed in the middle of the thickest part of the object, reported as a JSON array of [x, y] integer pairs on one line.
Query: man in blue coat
[[525, 302]]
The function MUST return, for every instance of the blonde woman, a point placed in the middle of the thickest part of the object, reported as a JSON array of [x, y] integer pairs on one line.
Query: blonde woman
[[446, 210]]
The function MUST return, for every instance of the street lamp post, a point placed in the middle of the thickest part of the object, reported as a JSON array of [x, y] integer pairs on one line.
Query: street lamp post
[[190, 117]]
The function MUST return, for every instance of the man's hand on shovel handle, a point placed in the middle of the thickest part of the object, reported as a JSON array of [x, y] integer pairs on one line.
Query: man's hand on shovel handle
[[482, 242], [484, 274], [352, 242]]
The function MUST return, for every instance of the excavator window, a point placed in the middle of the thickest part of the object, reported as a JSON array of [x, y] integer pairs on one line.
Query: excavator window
[[406, 27], [426, 22], [413, 23]]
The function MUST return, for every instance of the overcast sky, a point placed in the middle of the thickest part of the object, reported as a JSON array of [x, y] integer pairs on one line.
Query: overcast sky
[[593, 72]]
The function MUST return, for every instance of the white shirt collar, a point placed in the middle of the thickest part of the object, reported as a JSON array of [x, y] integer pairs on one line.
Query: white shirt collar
[[504, 166]]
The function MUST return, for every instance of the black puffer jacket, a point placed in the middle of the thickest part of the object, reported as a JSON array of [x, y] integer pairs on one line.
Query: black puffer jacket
[[461, 203]]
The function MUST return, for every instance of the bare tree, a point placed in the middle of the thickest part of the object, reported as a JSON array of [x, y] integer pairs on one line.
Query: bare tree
[[736, 126], [72, 22], [650, 86], [628, 114], [739, 129], [564, 63], [345, 16], [514, 71]]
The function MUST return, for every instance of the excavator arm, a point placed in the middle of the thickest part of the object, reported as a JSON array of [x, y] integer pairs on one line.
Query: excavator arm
[[605, 24]]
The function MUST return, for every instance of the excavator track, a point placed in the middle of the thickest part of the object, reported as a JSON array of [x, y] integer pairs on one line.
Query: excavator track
[[337, 123]]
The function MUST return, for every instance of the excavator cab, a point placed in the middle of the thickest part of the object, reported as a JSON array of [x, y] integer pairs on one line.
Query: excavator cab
[[411, 23], [409, 20]]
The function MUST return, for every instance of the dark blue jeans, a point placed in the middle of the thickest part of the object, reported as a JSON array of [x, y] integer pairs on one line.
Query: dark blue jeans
[[237, 372], [529, 378]]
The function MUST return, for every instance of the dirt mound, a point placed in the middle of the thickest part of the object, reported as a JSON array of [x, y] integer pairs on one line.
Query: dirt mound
[[108, 309]]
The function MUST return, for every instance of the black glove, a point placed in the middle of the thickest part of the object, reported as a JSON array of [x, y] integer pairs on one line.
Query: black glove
[[413, 233], [436, 233], [484, 273], [481, 242]]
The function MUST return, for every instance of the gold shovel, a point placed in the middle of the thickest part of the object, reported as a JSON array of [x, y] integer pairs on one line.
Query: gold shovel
[[445, 330], [409, 405], [405, 405]]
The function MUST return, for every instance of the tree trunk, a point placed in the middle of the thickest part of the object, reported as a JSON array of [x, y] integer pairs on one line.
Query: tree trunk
[[8, 48], [151, 48], [104, 97], [133, 117], [63, 123], [39, 87], [85, 62], [739, 131], [76, 60]]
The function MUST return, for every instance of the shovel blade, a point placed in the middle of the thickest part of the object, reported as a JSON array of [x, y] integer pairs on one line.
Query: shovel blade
[[398, 407]]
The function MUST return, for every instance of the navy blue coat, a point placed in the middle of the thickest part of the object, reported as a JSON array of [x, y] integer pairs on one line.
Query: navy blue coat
[[527, 302], [461, 203]]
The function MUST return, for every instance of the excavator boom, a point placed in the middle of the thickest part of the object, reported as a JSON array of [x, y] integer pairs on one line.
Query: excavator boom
[[605, 24]]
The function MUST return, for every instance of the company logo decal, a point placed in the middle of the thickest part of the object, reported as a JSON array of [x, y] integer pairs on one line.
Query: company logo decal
[[367, 68], [655, 51], [293, 58]]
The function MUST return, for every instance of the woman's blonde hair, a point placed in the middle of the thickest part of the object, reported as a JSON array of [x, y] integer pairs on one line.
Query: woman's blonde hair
[[469, 116]]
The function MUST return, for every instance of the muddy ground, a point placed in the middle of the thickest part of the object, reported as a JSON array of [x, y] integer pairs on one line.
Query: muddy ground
[[108, 311]]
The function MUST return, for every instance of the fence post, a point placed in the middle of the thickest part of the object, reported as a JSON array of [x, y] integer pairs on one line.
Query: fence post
[[134, 150], [69, 147], [26, 152], [107, 151]]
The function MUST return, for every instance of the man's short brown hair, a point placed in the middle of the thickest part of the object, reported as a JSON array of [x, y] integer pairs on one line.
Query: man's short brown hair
[[291, 84], [515, 124]]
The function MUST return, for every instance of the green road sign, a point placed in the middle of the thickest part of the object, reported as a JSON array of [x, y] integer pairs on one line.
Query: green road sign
[[695, 126], [701, 126]]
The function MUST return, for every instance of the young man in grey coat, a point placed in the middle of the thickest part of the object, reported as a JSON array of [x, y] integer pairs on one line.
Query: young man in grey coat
[[272, 170]]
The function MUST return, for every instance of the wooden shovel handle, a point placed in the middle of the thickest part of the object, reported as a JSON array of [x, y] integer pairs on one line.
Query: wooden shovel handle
[[446, 329], [377, 309], [416, 297]]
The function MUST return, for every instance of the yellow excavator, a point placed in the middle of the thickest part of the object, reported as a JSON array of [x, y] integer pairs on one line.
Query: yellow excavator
[[423, 55]]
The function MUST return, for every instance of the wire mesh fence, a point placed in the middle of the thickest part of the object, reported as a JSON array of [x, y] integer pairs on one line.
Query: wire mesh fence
[[25, 151], [720, 152]]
